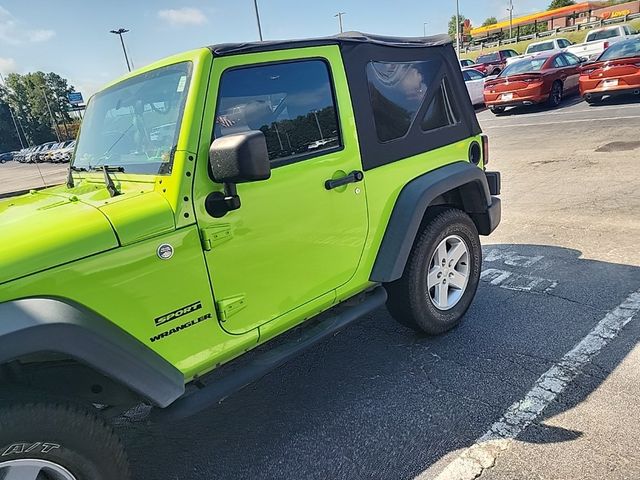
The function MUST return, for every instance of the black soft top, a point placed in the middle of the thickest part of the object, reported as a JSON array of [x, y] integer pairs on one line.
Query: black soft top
[[343, 39], [359, 50]]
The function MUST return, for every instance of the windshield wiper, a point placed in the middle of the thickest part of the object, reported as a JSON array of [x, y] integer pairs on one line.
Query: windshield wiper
[[73, 168], [108, 181]]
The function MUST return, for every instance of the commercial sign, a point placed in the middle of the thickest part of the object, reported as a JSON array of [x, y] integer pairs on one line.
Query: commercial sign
[[75, 98]]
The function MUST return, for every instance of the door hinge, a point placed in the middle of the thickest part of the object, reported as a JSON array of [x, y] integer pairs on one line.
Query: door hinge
[[230, 306], [213, 236]]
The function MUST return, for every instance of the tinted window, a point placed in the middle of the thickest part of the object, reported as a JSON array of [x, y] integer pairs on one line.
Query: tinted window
[[625, 49], [603, 34], [396, 91], [524, 66], [441, 111], [541, 47], [564, 43], [491, 57], [474, 75], [291, 103], [571, 59], [560, 61]]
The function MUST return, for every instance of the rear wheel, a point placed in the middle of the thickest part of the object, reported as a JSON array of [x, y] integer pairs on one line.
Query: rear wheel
[[555, 96], [58, 442], [441, 275], [497, 110]]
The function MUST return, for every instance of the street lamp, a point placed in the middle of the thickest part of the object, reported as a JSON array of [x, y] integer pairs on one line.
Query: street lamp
[[255, 6], [339, 15], [119, 32], [458, 27], [510, 9]]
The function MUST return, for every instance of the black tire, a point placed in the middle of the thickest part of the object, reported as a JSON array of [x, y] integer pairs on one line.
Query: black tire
[[496, 72], [555, 96], [592, 100], [497, 110], [409, 299], [65, 435]]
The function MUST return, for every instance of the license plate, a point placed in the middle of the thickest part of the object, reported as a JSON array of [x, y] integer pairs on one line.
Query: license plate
[[610, 83], [507, 96]]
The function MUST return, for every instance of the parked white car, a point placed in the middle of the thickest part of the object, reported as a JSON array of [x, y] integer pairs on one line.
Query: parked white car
[[550, 45], [599, 39], [474, 80]]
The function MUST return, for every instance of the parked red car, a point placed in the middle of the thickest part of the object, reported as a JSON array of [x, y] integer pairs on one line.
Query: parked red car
[[493, 63], [542, 78], [615, 72]]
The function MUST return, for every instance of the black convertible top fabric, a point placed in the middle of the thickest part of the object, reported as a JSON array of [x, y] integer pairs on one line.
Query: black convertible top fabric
[[225, 49], [358, 50]]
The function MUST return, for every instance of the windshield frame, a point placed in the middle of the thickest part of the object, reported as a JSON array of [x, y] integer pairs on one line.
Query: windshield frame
[[159, 168]]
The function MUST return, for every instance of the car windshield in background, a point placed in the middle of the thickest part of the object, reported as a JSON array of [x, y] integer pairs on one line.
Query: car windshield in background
[[602, 34], [524, 66], [135, 123], [626, 49], [491, 57], [541, 47]]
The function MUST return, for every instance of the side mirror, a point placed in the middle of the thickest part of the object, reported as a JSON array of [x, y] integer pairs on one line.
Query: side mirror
[[233, 159], [584, 59], [240, 158]]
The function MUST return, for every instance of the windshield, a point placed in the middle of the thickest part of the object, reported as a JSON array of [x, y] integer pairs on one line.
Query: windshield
[[491, 57], [540, 47], [135, 123], [524, 66], [603, 34], [622, 50]]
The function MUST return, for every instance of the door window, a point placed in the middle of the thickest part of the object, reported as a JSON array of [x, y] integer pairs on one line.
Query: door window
[[571, 59], [292, 103], [559, 62]]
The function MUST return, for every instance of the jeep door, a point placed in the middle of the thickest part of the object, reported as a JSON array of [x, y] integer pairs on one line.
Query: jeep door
[[293, 241]]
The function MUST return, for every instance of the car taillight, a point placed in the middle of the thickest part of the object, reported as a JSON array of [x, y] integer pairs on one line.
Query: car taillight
[[485, 149]]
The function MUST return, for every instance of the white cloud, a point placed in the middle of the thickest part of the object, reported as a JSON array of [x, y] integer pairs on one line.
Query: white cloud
[[14, 32], [7, 65], [183, 16]]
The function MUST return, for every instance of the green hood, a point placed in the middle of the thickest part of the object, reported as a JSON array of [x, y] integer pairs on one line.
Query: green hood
[[55, 226]]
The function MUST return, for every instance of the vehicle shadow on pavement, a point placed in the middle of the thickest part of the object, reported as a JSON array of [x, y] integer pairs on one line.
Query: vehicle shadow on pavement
[[619, 100], [381, 401]]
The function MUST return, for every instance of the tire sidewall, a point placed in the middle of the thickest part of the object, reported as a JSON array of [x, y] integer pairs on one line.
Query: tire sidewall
[[431, 238]]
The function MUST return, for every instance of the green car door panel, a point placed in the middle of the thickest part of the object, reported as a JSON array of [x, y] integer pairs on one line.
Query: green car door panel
[[289, 228]]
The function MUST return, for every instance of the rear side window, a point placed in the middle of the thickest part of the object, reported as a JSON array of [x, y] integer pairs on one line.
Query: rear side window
[[441, 111], [474, 75], [397, 90], [292, 103]]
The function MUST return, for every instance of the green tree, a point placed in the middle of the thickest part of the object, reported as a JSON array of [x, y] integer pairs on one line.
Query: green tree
[[490, 21], [452, 25], [560, 3], [28, 94], [8, 137]]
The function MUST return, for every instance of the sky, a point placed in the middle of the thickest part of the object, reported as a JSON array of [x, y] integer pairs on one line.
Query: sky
[[71, 37]]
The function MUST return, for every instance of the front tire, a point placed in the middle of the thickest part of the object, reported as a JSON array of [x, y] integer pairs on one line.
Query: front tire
[[58, 442], [441, 276]]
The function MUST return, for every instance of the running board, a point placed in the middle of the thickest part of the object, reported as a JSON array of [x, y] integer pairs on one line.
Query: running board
[[211, 391]]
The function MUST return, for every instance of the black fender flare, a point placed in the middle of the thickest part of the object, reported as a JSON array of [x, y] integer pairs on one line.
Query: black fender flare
[[46, 325], [411, 206]]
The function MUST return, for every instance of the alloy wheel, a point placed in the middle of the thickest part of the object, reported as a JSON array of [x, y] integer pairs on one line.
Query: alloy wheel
[[448, 273]]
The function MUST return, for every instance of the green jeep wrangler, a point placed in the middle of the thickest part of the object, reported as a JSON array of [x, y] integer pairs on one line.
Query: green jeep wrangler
[[238, 202]]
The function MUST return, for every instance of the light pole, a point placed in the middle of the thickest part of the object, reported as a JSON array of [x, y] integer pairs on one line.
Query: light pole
[[53, 120], [510, 9], [424, 29], [458, 27], [315, 114], [339, 15], [119, 32], [12, 116], [255, 6]]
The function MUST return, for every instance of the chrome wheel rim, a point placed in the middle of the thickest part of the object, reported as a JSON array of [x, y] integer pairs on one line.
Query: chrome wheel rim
[[448, 273], [33, 469], [557, 94]]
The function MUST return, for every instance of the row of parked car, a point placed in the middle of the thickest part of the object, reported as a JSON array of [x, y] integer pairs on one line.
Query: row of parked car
[[51, 152], [546, 77]]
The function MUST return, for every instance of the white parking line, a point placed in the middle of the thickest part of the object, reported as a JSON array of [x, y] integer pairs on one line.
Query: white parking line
[[482, 455], [579, 120]]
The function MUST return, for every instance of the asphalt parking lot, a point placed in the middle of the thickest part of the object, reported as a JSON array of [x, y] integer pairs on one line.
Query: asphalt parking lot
[[15, 176], [540, 380]]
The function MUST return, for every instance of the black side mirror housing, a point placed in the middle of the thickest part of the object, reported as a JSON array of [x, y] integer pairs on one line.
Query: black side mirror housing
[[240, 158]]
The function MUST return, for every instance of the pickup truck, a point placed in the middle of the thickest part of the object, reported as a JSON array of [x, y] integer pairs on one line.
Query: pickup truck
[[225, 209], [493, 63], [598, 41]]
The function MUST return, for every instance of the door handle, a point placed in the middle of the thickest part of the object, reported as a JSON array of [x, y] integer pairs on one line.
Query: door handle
[[353, 177]]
